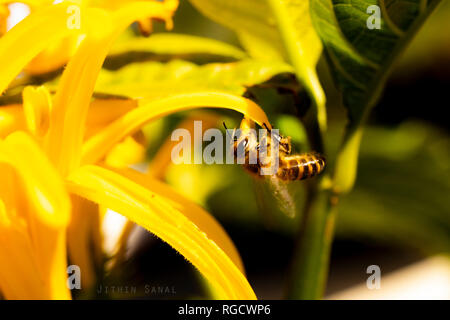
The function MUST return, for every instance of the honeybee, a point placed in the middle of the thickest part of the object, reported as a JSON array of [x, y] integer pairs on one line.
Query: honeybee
[[258, 156], [290, 167]]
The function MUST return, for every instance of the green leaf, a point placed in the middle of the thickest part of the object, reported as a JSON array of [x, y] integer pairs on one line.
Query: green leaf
[[157, 80], [361, 59], [275, 30], [251, 19], [167, 46], [257, 22]]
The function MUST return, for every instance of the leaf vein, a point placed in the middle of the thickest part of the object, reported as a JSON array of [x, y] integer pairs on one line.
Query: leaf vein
[[391, 25]]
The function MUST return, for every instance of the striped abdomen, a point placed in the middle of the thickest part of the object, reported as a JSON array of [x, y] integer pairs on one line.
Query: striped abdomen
[[301, 166]]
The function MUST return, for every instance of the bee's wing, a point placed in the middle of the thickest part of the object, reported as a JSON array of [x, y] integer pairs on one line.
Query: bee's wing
[[273, 195], [283, 196]]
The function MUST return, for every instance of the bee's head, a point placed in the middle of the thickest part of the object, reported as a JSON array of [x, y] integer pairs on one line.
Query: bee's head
[[284, 143]]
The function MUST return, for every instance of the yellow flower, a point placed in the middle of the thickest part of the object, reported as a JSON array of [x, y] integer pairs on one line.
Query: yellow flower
[[4, 13], [60, 126], [57, 53], [34, 213]]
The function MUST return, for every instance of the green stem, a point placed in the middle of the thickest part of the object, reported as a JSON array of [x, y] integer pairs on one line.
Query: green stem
[[309, 269], [310, 263], [312, 253]]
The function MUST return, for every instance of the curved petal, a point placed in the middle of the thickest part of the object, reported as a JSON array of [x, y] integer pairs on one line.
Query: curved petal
[[22, 43], [193, 212], [101, 113], [162, 159], [104, 111], [158, 215], [34, 3], [77, 83], [44, 186], [97, 146], [126, 153], [54, 57], [33, 245], [84, 240], [11, 119], [4, 13], [37, 103], [20, 277]]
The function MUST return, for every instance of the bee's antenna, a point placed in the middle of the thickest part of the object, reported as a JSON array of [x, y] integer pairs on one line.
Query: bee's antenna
[[226, 129], [277, 136]]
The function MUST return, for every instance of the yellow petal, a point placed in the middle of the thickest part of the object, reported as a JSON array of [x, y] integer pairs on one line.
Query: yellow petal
[[101, 113], [32, 259], [19, 274], [11, 119], [84, 240], [44, 186], [193, 212], [117, 4], [104, 111], [74, 94], [126, 153], [157, 214], [32, 3], [53, 57], [77, 84], [4, 13], [162, 159], [36, 106], [55, 54], [9, 194], [22, 43], [49, 244], [33, 246], [97, 146]]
